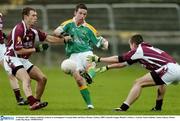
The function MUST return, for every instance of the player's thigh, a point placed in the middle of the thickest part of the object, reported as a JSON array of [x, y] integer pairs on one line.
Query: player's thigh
[[22, 75], [36, 74], [145, 80]]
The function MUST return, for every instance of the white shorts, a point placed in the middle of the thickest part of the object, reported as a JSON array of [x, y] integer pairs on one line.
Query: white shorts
[[80, 59], [10, 63], [2, 51], [170, 73]]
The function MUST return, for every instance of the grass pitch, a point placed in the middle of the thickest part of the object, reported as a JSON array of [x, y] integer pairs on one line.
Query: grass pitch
[[108, 91]]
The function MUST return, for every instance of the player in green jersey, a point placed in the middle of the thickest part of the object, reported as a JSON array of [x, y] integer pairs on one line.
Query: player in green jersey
[[84, 36]]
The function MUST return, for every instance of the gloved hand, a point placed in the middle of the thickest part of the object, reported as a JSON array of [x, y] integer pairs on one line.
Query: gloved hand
[[101, 69], [5, 36], [42, 47], [93, 58]]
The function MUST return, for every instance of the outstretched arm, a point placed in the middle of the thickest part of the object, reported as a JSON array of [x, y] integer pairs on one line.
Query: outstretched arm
[[111, 66], [61, 40], [95, 58], [111, 59]]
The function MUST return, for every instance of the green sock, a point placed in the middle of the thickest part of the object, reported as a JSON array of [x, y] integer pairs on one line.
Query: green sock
[[91, 72], [86, 96]]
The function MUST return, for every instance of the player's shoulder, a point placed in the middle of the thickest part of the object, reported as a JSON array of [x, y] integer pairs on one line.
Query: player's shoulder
[[20, 27], [67, 22], [91, 28]]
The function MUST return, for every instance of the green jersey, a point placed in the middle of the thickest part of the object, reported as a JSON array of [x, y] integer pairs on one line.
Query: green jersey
[[83, 37]]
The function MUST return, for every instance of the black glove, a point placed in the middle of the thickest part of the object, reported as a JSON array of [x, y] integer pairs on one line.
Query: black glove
[[5, 36], [42, 47], [66, 34]]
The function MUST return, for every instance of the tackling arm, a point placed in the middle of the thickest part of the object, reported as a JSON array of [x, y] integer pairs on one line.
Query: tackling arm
[[61, 40], [112, 59], [25, 51], [117, 65], [111, 66]]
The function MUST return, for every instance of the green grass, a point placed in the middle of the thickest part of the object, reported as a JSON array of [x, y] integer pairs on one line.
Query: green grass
[[107, 92]]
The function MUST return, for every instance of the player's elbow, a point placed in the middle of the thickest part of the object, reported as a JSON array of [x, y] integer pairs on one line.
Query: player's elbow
[[56, 33]]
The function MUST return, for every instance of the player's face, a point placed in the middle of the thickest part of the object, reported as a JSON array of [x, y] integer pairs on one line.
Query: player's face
[[132, 45], [32, 18], [80, 15]]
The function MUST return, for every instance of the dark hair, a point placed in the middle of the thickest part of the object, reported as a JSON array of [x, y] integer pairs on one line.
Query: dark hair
[[137, 39], [80, 6], [26, 11]]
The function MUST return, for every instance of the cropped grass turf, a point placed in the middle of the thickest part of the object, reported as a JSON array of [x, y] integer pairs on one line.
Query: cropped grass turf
[[108, 91]]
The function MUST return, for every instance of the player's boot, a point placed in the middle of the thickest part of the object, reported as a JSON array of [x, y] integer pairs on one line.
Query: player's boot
[[90, 107], [86, 76], [118, 109], [22, 101], [156, 109], [123, 107], [38, 105]]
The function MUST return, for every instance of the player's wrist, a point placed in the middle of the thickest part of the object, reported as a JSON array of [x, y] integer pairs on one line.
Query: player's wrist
[[64, 39], [37, 49], [107, 68], [99, 59]]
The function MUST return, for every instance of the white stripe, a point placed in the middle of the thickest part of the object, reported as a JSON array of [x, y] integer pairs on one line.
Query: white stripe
[[36, 34], [24, 26], [13, 39], [138, 54], [148, 57], [149, 61]]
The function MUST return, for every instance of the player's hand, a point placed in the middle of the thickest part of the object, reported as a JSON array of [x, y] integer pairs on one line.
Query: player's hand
[[101, 69], [93, 58], [67, 37], [41, 47]]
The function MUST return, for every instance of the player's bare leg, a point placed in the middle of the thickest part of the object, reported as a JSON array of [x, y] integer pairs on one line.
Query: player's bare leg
[[135, 91], [36, 74], [159, 100], [83, 89], [15, 86], [24, 77], [89, 73]]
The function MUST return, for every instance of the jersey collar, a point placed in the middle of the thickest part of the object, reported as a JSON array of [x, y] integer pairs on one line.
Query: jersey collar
[[84, 23]]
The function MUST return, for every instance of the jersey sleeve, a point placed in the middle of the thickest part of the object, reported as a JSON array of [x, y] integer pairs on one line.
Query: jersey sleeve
[[1, 36], [64, 26], [94, 36], [1, 27], [127, 57], [41, 35], [1, 22]]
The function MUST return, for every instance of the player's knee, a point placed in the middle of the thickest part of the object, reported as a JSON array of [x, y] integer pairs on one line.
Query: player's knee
[[137, 82], [43, 79], [78, 78]]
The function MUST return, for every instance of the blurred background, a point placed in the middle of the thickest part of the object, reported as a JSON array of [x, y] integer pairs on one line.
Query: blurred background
[[157, 20]]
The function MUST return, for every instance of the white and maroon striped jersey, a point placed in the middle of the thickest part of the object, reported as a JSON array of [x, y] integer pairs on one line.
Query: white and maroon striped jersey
[[1, 28], [151, 58], [21, 37]]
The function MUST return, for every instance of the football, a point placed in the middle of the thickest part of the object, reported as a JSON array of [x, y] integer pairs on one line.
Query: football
[[68, 66]]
